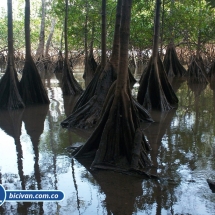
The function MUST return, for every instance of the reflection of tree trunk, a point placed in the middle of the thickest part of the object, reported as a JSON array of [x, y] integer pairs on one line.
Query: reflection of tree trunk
[[11, 122], [156, 131], [19, 162], [120, 192], [34, 118], [76, 186]]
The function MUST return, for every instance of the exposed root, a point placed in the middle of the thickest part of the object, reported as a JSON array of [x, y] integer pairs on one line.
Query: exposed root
[[196, 71], [32, 89], [88, 114], [69, 84], [171, 63], [155, 91], [118, 140], [9, 90]]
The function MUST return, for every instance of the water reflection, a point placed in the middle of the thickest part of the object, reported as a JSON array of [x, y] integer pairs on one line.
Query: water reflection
[[10, 123], [33, 119], [182, 153], [120, 191]]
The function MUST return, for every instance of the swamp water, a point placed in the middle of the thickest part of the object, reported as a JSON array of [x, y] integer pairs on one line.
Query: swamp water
[[33, 155]]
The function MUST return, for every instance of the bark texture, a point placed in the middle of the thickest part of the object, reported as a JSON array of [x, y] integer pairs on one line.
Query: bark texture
[[118, 142], [59, 63], [40, 48], [9, 85], [87, 115], [155, 91], [69, 84], [32, 89], [171, 63], [196, 71]]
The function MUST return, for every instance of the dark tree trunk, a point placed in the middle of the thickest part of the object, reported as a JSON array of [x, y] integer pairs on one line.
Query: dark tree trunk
[[118, 140], [69, 84], [116, 40], [88, 109], [90, 63], [196, 71], [9, 85], [103, 39], [59, 63], [32, 89], [171, 63], [211, 73], [155, 91]]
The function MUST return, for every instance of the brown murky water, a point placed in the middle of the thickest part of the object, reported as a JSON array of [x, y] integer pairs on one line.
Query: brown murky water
[[33, 155]]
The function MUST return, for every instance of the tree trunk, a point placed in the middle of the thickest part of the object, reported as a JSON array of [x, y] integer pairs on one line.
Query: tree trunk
[[9, 85], [40, 49], [90, 63], [156, 30], [32, 89], [171, 63], [118, 140], [69, 85], [50, 37], [155, 91], [104, 31]]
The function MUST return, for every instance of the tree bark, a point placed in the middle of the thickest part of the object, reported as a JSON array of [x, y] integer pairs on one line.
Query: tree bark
[[116, 40], [156, 30], [171, 63], [40, 49], [32, 89], [104, 31], [9, 85], [118, 141], [69, 84], [50, 37], [155, 91]]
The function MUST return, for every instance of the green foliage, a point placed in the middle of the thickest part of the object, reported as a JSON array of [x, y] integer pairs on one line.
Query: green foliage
[[183, 21]]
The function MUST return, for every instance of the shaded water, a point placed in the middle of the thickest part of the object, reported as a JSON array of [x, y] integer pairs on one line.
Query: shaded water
[[33, 156]]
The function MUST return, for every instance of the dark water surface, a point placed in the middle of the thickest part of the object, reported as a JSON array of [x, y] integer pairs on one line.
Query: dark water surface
[[33, 155]]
